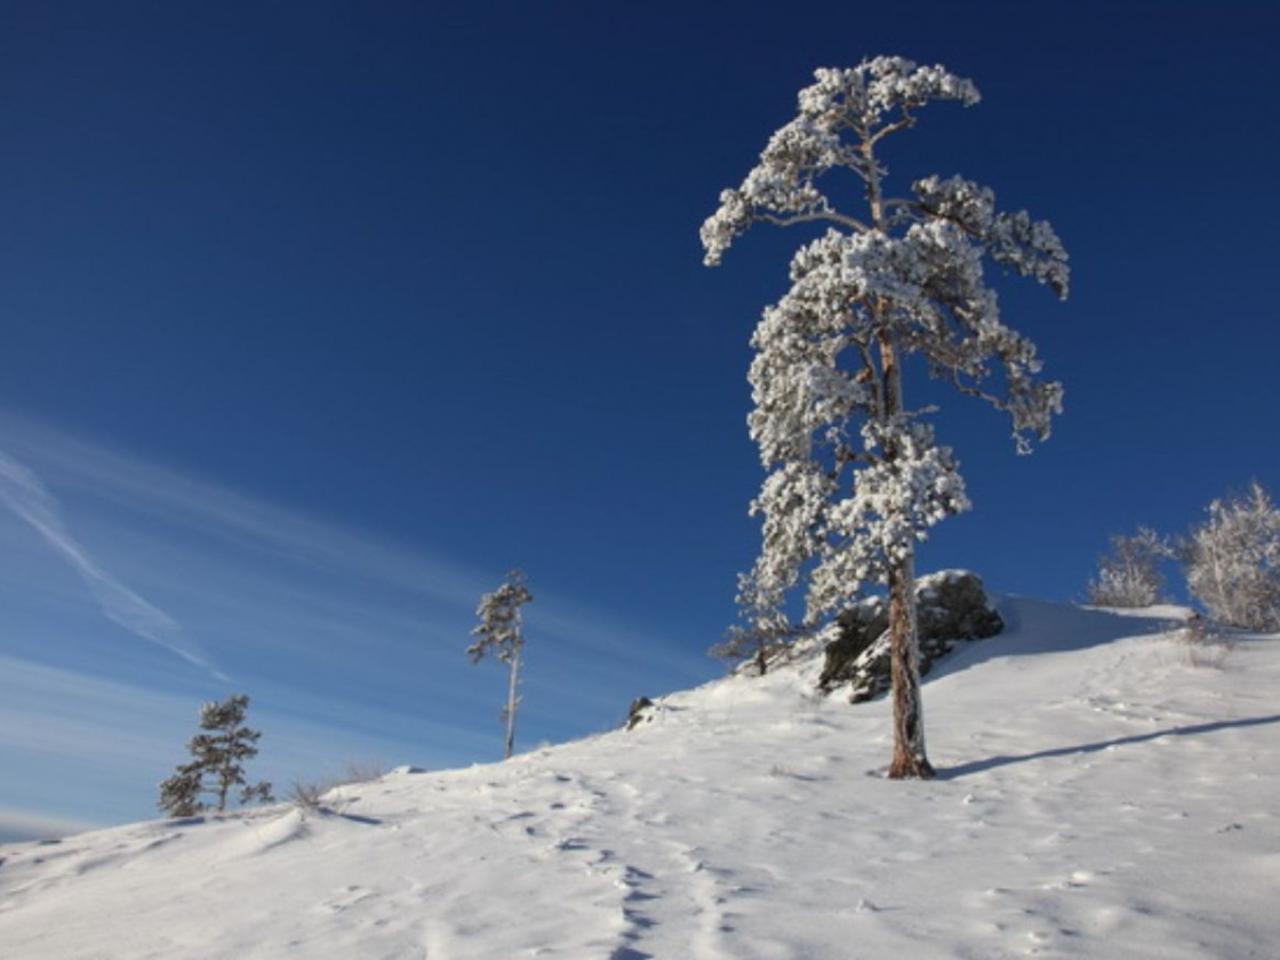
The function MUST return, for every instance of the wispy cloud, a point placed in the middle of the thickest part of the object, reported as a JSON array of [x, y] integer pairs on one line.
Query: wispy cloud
[[18, 826], [102, 744], [350, 644], [23, 493], [277, 533]]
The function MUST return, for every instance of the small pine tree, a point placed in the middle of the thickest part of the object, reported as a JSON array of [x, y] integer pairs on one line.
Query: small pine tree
[[501, 633], [217, 753], [1233, 561], [1129, 575], [763, 628]]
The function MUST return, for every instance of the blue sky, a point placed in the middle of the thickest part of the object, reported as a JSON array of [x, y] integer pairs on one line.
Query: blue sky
[[318, 318]]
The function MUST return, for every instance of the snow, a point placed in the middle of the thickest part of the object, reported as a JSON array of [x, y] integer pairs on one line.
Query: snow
[[1100, 797], [1174, 613]]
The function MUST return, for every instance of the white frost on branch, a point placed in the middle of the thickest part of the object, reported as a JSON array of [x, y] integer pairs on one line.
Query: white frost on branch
[[1233, 560], [499, 627], [781, 187], [891, 507], [1129, 574]]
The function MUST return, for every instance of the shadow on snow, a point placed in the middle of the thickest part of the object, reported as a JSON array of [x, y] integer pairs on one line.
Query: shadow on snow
[[1037, 626], [979, 766]]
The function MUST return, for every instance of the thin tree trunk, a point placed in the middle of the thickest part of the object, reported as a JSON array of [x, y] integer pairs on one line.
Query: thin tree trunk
[[511, 705]]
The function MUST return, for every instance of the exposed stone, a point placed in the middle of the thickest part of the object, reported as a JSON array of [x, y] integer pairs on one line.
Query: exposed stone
[[950, 606], [855, 630], [639, 712]]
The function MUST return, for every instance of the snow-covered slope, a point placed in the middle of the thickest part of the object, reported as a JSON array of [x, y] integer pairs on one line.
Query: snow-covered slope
[[1100, 797]]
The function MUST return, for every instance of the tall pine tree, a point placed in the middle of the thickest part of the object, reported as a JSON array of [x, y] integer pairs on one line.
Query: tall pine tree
[[855, 476]]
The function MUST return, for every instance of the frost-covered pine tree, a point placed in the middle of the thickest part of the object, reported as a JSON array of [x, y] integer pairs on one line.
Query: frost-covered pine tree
[[762, 627], [1233, 561], [854, 475], [500, 633], [218, 754], [1129, 574]]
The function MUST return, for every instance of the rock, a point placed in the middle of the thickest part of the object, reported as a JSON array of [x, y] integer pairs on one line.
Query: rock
[[638, 713], [855, 630], [950, 606]]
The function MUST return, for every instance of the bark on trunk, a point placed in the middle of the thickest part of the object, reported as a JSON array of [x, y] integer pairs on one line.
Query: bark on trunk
[[909, 758]]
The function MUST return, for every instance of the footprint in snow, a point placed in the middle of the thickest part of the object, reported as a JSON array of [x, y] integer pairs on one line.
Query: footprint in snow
[[345, 898]]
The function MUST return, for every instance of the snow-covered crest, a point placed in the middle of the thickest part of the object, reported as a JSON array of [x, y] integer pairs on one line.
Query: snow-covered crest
[[1129, 812]]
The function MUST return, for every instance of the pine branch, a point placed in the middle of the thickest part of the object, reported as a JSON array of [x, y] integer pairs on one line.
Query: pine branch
[[817, 217]]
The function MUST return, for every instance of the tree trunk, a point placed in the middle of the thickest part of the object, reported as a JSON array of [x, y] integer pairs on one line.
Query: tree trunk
[[909, 758], [511, 706]]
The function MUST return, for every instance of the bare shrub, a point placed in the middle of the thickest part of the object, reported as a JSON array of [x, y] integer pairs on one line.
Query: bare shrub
[[1233, 561], [362, 771], [1206, 646], [307, 796], [1129, 574]]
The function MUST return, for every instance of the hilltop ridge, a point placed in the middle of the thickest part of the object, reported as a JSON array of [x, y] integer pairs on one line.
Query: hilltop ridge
[[1099, 796]]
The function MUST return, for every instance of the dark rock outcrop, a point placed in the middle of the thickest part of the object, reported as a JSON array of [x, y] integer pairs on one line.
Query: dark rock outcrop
[[857, 629], [639, 712], [950, 606]]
